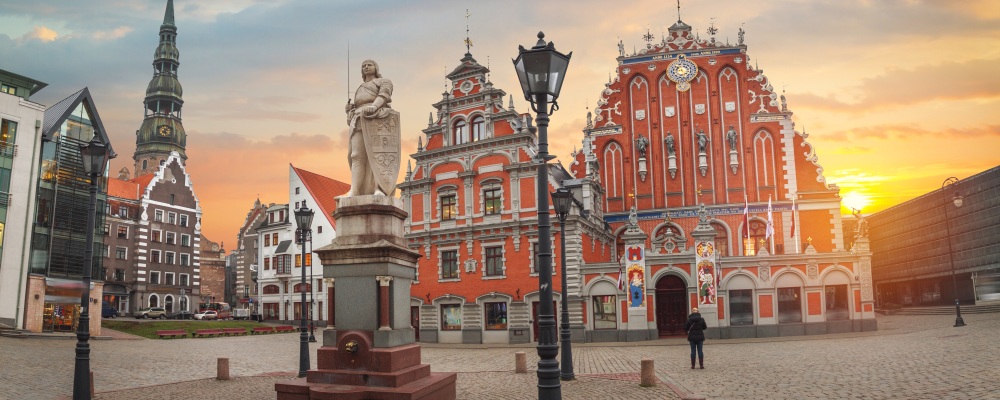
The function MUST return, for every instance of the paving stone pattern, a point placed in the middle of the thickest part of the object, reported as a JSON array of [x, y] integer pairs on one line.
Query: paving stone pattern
[[910, 357]]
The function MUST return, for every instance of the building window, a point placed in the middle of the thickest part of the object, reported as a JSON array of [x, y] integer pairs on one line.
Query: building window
[[274, 238], [267, 240], [119, 275], [155, 236], [296, 190], [168, 278], [184, 220], [123, 211], [107, 229], [172, 197], [449, 207], [758, 230], [789, 305], [158, 216], [271, 289], [451, 317], [605, 313], [8, 89], [184, 279], [449, 264], [171, 238], [185, 259], [122, 232], [319, 229], [478, 128], [298, 260], [461, 132], [267, 263], [496, 316], [494, 261], [836, 302], [154, 278], [721, 240], [154, 256], [171, 218], [741, 307], [492, 201], [106, 252], [535, 260], [169, 258], [120, 253], [185, 240]]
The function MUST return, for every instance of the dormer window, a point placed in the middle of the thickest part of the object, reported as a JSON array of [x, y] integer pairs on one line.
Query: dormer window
[[478, 128], [461, 132]]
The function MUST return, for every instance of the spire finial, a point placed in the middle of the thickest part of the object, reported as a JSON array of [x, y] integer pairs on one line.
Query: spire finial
[[468, 42], [678, 10], [168, 15]]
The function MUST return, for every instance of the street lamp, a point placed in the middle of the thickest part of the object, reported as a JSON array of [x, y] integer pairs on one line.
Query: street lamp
[[957, 200], [303, 220], [95, 157], [562, 200], [541, 70]]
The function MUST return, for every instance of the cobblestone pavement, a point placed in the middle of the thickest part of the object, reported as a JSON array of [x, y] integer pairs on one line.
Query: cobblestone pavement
[[910, 357]]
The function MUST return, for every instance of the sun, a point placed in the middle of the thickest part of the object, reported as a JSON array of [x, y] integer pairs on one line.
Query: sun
[[855, 200]]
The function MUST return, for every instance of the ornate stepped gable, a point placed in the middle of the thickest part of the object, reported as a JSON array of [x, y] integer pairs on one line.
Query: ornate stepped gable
[[662, 125]]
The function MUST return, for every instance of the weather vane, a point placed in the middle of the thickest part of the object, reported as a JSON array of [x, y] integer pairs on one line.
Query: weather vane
[[648, 37], [678, 10], [468, 42], [712, 30]]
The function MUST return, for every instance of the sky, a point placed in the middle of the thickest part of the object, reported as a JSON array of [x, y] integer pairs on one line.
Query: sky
[[896, 96]]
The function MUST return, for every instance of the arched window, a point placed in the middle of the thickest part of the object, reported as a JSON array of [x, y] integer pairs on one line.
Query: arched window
[[613, 171], [298, 288], [721, 240], [758, 230], [168, 303], [154, 300], [461, 132], [271, 289], [478, 128]]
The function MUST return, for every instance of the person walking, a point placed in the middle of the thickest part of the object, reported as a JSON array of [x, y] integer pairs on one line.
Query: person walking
[[695, 327]]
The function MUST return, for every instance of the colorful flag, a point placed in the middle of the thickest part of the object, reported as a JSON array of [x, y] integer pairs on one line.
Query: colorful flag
[[770, 220], [746, 217], [621, 274]]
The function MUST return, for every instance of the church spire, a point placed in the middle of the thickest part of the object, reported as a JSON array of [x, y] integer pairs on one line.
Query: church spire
[[161, 132]]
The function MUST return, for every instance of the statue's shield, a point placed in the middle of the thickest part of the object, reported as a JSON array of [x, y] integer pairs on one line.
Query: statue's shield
[[383, 148]]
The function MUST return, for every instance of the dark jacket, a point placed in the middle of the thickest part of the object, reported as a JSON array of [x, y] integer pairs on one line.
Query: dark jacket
[[695, 327]]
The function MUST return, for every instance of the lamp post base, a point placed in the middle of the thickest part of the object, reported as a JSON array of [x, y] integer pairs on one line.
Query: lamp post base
[[958, 315]]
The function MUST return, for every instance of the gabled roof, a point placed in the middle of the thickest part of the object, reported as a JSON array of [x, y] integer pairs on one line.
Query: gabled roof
[[324, 190], [55, 115], [122, 189]]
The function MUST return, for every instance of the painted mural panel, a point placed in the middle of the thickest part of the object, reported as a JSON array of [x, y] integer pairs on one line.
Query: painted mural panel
[[705, 260], [635, 259]]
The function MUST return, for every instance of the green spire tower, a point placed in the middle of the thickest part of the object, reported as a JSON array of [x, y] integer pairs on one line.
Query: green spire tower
[[161, 131]]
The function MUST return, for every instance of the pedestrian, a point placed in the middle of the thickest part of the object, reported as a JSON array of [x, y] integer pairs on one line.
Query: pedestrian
[[695, 327]]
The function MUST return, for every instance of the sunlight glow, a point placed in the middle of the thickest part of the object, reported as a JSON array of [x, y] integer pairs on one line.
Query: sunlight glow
[[855, 200]]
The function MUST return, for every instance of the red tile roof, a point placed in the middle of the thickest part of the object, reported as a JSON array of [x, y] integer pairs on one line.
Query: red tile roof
[[122, 189], [143, 180], [324, 190]]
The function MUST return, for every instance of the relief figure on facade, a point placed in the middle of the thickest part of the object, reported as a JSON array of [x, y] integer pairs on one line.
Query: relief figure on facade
[[374, 152], [642, 144], [671, 150], [702, 141], [731, 137]]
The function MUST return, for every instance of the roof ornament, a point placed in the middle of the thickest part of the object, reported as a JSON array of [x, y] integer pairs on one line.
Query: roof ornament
[[420, 143], [678, 10], [430, 118], [510, 105], [740, 35], [409, 170], [648, 37], [712, 30], [621, 48], [468, 42]]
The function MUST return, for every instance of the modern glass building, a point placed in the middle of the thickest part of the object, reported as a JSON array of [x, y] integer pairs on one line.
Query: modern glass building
[[918, 245], [59, 234]]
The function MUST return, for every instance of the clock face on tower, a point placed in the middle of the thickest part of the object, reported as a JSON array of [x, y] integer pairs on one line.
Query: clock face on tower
[[165, 130]]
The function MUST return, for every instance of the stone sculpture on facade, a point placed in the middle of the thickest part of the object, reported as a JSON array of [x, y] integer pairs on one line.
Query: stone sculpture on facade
[[374, 153]]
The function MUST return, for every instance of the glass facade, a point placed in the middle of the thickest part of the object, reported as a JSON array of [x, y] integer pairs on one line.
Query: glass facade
[[60, 224]]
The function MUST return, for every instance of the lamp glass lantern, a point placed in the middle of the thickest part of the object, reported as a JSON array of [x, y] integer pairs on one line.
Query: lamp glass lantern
[[94, 156], [541, 70], [303, 217], [562, 199]]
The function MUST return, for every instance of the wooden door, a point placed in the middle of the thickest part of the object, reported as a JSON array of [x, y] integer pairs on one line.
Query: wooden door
[[671, 306]]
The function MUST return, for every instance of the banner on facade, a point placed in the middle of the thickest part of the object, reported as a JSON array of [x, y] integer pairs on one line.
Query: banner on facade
[[705, 261], [635, 259]]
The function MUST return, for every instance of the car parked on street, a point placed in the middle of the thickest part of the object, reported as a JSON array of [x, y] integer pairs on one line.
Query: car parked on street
[[206, 315], [152, 312], [181, 315]]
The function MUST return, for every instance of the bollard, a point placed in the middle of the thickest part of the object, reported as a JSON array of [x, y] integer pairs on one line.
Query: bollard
[[647, 377], [222, 373], [520, 363]]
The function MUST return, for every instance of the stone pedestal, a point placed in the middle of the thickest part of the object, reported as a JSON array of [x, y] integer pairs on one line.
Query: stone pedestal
[[370, 354]]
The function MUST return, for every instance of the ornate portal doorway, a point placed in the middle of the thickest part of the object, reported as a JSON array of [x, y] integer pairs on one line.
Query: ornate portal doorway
[[671, 305]]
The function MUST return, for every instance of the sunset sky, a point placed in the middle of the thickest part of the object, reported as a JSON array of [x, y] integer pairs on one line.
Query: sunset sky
[[896, 96]]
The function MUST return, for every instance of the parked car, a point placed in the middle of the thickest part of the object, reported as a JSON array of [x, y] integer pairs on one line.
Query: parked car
[[107, 311], [210, 314], [181, 315], [153, 312]]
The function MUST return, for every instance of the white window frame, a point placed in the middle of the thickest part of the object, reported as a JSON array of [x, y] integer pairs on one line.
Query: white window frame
[[182, 220], [156, 235], [154, 277], [184, 279], [183, 237], [158, 257], [458, 263], [167, 235], [503, 259], [172, 217], [184, 259], [158, 216], [168, 278], [169, 257], [125, 256]]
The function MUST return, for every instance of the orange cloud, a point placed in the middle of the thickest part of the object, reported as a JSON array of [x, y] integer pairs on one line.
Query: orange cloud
[[41, 33], [116, 33]]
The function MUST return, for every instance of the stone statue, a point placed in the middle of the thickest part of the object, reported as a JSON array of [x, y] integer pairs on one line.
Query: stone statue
[[731, 137], [641, 144], [740, 34], [633, 218], [621, 49], [374, 152], [861, 230], [671, 150], [702, 141]]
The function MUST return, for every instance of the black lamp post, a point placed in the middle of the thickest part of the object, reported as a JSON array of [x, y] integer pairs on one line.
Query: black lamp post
[[562, 200], [957, 200], [541, 71], [312, 301], [303, 220], [95, 157]]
